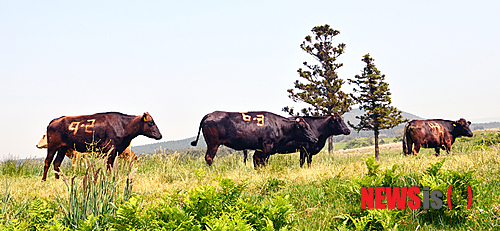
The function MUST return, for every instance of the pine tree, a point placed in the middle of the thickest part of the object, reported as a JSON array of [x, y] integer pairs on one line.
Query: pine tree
[[322, 84], [374, 98]]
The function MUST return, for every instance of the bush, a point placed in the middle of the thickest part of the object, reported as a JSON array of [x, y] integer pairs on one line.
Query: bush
[[209, 207], [359, 142]]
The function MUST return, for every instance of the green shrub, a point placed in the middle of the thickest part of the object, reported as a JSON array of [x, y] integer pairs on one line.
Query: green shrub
[[24, 167], [40, 214], [359, 142]]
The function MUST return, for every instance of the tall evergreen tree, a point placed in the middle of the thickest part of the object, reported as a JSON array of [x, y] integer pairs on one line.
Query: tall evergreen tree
[[322, 84], [374, 98]]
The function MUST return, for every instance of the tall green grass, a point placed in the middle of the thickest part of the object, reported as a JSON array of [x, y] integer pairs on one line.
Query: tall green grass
[[176, 190], [97, 193]]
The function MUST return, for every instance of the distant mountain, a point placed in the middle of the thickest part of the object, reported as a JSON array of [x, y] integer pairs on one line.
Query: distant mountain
[[172, 145], [483, 126], [393, 132], [351, 116], [185, 144]]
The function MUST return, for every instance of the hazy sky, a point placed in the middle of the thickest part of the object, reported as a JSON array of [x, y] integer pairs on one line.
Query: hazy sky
[[179, 60]]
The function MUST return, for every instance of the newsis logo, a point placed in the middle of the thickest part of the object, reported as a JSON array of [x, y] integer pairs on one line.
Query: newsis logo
[[400, 197]]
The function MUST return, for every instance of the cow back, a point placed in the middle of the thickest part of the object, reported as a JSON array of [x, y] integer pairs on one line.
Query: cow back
[[102, 129]]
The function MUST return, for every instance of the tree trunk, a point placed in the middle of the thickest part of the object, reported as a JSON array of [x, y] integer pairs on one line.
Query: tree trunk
[[376, 144], [330, 145]]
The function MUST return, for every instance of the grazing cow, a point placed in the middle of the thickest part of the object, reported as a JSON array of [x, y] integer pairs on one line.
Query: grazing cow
[[263, 131], [112, 131], [128, 154], [323, 127], [437, 134]]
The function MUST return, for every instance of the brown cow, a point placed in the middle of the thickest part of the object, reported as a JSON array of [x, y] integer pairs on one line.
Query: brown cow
[[112, 132], [437, 134], [128, 154]]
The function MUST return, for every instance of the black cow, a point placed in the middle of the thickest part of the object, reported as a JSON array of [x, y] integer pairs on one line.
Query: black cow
[[263, 131], [112, 131], [323, 127], [437, 134]]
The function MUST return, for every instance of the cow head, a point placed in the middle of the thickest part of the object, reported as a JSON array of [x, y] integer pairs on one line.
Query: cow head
[[304, 131], [337, 125], [43, 142], [149, 127], [461, 128]]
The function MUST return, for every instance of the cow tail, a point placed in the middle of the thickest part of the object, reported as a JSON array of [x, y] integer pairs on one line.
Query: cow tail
[[195, 142], [405, 148]]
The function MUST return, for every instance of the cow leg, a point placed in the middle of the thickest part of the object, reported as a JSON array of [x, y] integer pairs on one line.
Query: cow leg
[[438, 149], [48, 161], [267, 153], [302, 157], [409, 144], [211, 151], [447, 145], [448, 148], [245, 156], [74, 156], [112, 156], [110, 150], [260, 158], [309, 157], [416, 149], [266, 160], [61, 152], [111, 159], [309, 160]]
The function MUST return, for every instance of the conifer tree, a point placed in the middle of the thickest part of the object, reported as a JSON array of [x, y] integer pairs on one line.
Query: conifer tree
[[374, 98], [321, 87]]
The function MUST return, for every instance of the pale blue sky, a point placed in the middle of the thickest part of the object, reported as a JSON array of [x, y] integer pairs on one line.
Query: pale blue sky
[[180, 60]]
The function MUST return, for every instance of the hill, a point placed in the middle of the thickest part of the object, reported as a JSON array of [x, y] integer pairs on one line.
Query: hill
[[172, 145], [396, 131]]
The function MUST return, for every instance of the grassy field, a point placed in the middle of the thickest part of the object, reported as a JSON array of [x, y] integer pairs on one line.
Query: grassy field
[[180, 192]]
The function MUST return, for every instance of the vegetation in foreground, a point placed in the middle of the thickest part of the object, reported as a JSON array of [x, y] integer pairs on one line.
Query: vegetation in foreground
[[179, 192]]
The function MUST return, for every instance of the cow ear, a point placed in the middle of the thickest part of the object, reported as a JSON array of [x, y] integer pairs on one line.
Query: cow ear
[[468, 122], [454, 124], [145, 117]]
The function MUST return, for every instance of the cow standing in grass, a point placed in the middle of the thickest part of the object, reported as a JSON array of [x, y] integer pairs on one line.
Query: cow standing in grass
[[111, 132], [128, 154], [323, 127], [437, 134], [263, 131]]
